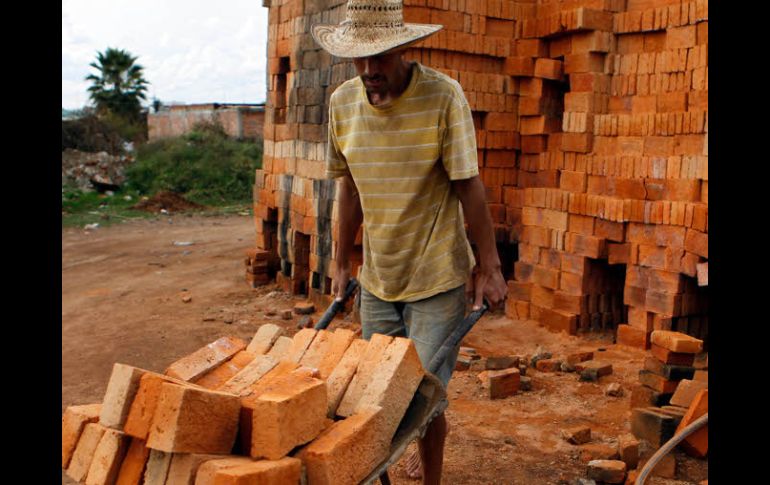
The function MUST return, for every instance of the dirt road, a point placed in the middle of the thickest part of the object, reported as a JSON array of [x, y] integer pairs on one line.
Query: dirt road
[[121, 302]]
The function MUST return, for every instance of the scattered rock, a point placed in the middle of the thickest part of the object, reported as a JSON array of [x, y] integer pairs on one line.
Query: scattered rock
[[90, 227], [187, 298], [305, 321], [304, 308], [228, 319], [614, 390], [182, 243], [567, 367], [628, 449], [577, 435], [610, 471], [270, 313], [286, 314], [525, 383]]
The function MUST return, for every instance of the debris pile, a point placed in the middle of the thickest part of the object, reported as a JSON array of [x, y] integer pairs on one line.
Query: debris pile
[[85, 170], [319, 408], [167, 201]]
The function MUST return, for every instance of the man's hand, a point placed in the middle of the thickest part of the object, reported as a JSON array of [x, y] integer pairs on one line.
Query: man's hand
[[340, 280], [491, 285]]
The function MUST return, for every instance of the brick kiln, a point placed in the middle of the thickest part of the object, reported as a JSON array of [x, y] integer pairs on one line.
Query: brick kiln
[[591, 119]]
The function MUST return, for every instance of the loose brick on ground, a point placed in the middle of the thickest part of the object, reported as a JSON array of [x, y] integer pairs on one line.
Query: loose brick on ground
[[84, 451], [686, 392], [339, 379], [602, 368], [628, 449], [347, 451], [363, 376], [499, 362], [121, 389], [666, 467], [577, 435], [73, 421], [500, 384], [177, 425], [677, 342], [652, 425], [643, 396], [548, 365], [579, 357], [205, 359], [264, 339], [134, 463], [107, 458], [671, 372], [608, 471], [287, 416], [304, 308], [598, 451]]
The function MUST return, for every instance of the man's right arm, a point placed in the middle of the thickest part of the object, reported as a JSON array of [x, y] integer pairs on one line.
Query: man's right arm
[[350, 219]]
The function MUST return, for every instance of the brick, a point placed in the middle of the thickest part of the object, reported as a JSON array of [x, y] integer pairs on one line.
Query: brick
[[573, 284], [134, 463], [578, 357], [632, 337], [667, 371], [677, 342], [546, 277], [643, 396], [176, 425], [668, 357], [656, 382], [339, 341], [107, 458], [569, 303], [548, 69], [607, 471], [241, 383], [500, 384], [577, 435], [184, 467], [519, 66], [143, 406], [121, 389], [518, 290], [348, 450], [598, 451], [73, 422], [291, 414], [500, 362], [285, 470], [653, 425], [548, 365], [84, 451], [157, 468], [613, 231], [558, 321], [208, 470], [264, 339], [639, 317], [577, 142], [280, 348], [681, 37], [393, 382], [696, 444], [366, 368], [220, 375], [602, 368], [686, 392], [618, 253], [701, 375], [584, 62], [300, 343], [581, 224], [589, 246], [317, 349], [697, 242], [205, 359], [628, 449]]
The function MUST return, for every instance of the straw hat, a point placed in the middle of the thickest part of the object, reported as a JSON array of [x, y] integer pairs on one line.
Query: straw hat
[[371, 27]]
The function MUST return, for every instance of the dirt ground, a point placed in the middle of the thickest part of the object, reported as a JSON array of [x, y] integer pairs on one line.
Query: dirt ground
[[121, 302]]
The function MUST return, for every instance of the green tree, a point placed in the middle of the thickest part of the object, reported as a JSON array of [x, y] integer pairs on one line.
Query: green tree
[[119, 86]]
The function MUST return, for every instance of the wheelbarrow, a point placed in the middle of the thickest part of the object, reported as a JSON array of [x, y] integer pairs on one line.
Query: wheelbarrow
[[429, 400]]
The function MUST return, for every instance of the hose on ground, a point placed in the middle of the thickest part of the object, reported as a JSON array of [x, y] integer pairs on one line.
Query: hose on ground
[[670, 444]]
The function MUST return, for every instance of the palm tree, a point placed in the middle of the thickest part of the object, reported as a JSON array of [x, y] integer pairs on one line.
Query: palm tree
[[119, 87]]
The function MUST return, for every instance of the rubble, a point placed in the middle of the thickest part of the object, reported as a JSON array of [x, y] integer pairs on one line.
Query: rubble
[[614, 390], [577, 435]]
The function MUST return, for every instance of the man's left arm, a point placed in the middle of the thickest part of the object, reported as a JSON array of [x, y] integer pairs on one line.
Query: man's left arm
[[489, 282]]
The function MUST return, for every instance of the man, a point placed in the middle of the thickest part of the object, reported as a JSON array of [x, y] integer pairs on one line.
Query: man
[[402, 139]]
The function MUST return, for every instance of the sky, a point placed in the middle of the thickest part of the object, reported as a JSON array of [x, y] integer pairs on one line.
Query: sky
[[192, 51]]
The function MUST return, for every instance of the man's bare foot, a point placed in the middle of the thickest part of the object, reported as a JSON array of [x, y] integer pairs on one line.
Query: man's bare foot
[[413, 462]]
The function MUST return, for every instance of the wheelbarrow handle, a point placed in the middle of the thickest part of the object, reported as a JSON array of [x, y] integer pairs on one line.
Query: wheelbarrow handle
[[455, 338], [336, 305]]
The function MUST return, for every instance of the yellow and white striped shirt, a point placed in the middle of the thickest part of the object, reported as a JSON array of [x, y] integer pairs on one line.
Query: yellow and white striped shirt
[[402, 156]]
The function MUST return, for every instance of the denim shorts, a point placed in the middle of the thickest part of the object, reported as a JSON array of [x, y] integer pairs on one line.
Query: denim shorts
[[427, 322]]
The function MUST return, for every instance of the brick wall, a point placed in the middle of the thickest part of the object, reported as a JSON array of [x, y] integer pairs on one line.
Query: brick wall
[[591, 120]]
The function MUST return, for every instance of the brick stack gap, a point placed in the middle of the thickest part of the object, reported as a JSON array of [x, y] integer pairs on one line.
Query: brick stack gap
[[319, 408]]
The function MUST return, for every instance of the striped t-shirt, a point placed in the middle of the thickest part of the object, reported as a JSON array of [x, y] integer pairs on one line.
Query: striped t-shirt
[[402, 156]]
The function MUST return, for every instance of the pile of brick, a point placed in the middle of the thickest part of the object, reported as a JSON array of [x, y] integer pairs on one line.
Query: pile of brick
[[319, 408], [591, 120], [673, 393], [258, 266]]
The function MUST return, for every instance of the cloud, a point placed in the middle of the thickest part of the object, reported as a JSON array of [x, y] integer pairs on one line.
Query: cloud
[[191, 51]]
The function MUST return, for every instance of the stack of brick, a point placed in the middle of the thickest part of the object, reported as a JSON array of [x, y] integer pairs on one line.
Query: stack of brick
[[668, 387], [592, 121], [279, 395], [258, 267]]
